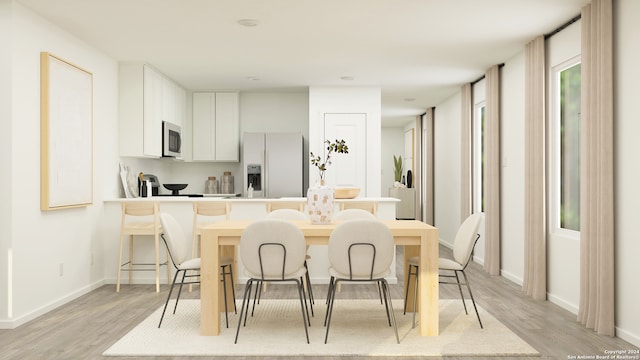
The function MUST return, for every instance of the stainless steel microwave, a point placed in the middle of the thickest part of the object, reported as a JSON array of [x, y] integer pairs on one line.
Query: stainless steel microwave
[[171, 139]]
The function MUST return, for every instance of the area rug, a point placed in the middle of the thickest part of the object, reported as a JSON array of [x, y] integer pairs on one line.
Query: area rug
[[358, 328]]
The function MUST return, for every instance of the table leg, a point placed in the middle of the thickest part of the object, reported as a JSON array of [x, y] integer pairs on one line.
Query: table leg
[[209, 284], [428, 283]]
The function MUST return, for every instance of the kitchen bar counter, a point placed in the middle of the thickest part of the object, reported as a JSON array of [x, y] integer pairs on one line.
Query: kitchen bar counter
[[234, 199], [181, 207]]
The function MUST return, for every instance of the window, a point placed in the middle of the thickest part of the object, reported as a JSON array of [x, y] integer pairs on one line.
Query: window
[[478, 157], [566, 151]]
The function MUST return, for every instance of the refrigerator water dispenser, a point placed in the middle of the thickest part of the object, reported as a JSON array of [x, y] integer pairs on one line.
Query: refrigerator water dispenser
[[254, 176]]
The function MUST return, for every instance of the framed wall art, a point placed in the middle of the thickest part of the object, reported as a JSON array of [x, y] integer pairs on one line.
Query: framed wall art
[[66, 134]]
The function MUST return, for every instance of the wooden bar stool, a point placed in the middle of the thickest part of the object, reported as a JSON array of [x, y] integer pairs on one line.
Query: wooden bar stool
[[131, 228], [276, 205], [371, 207], [205, 213]]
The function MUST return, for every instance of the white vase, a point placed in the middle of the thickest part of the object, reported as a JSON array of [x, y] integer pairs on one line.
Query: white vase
[[320, 203]]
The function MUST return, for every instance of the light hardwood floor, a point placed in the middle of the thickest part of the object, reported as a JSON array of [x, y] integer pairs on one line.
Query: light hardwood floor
[[87, 326]]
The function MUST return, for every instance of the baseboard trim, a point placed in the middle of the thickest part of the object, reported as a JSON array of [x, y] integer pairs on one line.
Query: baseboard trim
[[628, 336], [16, 322], [572, 308]]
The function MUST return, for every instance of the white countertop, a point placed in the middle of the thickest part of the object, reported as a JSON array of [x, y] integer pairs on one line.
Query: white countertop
[[182, 199]]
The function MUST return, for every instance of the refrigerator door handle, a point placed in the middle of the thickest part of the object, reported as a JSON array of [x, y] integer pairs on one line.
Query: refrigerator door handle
[[265, 156]]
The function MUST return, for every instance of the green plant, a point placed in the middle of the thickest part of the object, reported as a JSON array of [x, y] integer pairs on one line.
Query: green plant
[[339, 146], [397, 167]]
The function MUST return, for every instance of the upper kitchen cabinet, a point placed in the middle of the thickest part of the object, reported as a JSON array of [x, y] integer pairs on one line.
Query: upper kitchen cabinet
[[216, 126], [174, 102], [146, 99]]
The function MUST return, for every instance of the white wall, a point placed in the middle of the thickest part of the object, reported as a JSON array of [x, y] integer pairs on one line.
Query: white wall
[[446, 148], [346, 100], [512, 171], [627, 147], [6, 140], [42, 241]]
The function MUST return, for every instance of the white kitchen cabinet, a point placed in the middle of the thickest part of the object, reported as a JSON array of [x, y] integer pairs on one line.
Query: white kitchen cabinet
[[173, 102], [216, 126], [146, 99]]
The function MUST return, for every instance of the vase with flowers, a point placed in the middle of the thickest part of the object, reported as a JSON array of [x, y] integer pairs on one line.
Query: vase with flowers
[[320, 197]]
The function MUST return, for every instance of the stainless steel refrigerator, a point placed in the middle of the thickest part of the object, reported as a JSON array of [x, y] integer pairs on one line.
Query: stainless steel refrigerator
[[272, 164]]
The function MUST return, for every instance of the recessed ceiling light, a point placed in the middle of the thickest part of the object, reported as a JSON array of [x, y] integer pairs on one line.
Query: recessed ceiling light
[[409, 99], [248, 22], [346, 78], [253, 78]]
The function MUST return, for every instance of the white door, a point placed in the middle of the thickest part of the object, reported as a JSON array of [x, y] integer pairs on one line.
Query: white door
[[347, 170]]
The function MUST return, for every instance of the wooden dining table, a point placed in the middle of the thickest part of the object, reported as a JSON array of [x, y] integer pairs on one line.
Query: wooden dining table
[[418, 238]]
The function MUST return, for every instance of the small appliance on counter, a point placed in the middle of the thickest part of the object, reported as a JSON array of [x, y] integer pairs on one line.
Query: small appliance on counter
[[142, 188]]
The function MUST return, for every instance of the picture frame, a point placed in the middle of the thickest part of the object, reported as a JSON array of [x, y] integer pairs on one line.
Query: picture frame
[[66, 134]]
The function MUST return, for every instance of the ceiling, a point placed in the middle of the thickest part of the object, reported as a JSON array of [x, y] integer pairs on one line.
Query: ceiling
[[419, 52]]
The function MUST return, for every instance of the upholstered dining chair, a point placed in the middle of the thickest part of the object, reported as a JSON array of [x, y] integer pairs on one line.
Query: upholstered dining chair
[[351, 214], [272, 250], [291, 214], [360, 251], [466, 238], [189, 267]]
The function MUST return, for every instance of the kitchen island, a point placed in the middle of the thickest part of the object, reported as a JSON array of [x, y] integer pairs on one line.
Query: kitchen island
[[181, 207]]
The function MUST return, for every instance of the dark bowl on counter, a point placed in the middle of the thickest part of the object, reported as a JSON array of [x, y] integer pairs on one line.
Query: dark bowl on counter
[[175, 188]]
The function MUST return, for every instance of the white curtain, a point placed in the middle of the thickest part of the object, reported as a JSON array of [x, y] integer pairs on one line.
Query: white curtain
[[535, 227], [492, 172], [597, 301], [427, 170]]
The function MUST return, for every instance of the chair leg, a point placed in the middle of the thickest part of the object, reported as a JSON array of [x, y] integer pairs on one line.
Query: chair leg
[[157, 242], [304, 295], [406, 293], [119, 264], [472, 299], [184, 274], [386, 303], [224, 291], [168, 297], [303, 305], [309, 291], [247, 292], [130, 259], [385, 290], [330, 291], [332, 297], [415, 299], [233, 289], [256, 296], [460, 289]]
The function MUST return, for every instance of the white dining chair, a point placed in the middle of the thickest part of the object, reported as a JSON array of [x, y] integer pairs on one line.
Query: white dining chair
[[273, 250], [178, 247], [466, 238], [294, 214], [351, 214], [360, 251]]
